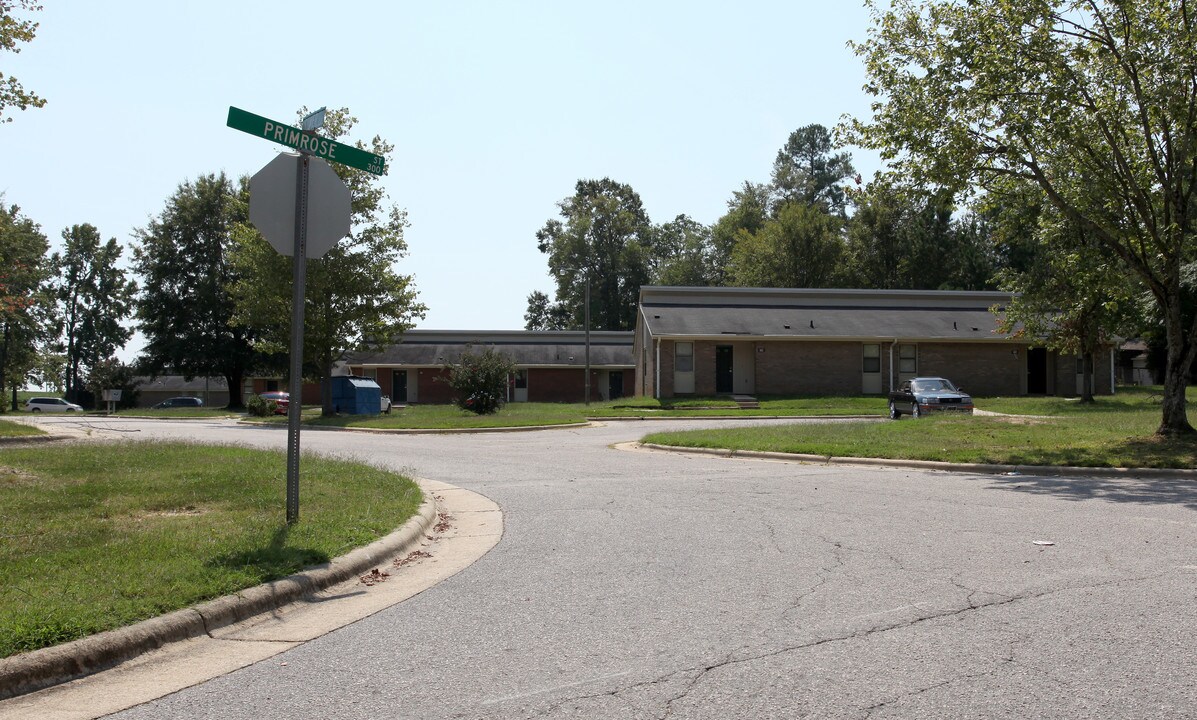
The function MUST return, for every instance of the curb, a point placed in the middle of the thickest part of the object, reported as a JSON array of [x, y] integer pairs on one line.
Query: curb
[[424, 431], [28, 672], [993, 469], [739, 417], [22, 439]]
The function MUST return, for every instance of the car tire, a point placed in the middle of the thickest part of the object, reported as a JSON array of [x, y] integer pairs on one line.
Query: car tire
[[894, 413], [36, 409], [915, 412]]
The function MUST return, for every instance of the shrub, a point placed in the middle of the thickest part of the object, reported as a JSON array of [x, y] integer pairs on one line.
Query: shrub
[[479, 380], [259, 406]]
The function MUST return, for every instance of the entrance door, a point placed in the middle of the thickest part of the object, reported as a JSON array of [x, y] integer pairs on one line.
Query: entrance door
[[398, 386], [615, 385], [521, 386], [1037, 371], [724, 376]]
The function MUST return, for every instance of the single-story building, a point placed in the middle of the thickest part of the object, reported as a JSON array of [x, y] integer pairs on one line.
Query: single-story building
[[709, 341], [550, 365], [213, 391]]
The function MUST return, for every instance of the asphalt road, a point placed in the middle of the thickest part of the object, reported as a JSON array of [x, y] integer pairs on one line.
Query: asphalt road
[[633, 584]]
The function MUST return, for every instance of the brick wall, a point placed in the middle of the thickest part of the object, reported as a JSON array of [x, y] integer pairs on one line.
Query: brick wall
[[1066, 378], [430, 390], [979, 369], [801, 368], [561, 385]]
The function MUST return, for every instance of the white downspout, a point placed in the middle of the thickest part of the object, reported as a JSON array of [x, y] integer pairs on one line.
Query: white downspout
[[891, 363], [1113, 370], [657, 370]]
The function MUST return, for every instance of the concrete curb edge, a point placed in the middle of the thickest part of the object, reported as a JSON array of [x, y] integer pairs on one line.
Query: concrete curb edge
[[993, 469], [29, 672]]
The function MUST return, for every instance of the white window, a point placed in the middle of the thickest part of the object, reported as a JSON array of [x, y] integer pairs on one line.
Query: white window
[[872, 358], [908, 359], [684, 357]]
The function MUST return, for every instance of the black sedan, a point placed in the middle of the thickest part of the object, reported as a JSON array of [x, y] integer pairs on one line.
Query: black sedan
[[927, 395], [179, 402]]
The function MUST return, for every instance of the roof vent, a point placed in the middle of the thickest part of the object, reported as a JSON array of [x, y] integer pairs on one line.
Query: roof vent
[[656, 317], [974, 329], [812, 323], [787, 327], [954, 325]]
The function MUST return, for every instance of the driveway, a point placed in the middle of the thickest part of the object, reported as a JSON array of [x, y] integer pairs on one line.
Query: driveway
[[634, 584]]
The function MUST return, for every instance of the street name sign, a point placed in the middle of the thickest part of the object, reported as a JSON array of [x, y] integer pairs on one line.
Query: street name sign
[[296, 138]]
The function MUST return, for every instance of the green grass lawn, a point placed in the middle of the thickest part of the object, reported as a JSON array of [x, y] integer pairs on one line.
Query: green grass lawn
[[202, 412], [1114, 432], [97, 536], [16, 429], [445, 417]]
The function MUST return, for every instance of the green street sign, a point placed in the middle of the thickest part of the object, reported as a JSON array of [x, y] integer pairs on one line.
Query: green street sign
[[293, 137]]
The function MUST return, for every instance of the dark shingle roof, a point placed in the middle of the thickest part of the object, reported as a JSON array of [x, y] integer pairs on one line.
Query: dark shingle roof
[[525, 348], [821, 314]]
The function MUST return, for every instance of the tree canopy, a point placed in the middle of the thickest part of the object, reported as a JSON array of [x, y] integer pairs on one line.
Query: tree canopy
[[25, 306], [14, 31], [605, 236], [1094, 101], [185, 309], [94, 298]]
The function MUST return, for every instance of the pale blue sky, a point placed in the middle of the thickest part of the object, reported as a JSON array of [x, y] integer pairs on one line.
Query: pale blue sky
[[495, 111]]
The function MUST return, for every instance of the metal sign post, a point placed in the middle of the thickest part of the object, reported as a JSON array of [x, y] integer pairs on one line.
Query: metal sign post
[[298, 277], [302, 209]]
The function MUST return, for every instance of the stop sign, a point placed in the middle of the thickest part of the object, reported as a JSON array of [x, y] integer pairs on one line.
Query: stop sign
[[272, 204]]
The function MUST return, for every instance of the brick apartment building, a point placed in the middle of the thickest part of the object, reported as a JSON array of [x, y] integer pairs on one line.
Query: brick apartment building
[[765, 341], [550, 366]]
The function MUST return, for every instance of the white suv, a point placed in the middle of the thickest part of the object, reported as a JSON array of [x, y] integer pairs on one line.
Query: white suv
[[51, 404]]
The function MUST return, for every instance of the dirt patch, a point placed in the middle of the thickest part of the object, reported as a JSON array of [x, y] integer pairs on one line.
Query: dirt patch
[[13, 477], [186, 511]]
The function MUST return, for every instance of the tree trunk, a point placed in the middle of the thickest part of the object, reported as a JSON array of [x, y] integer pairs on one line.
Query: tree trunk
[[1175, 420], [233, 379], [1087, 377]]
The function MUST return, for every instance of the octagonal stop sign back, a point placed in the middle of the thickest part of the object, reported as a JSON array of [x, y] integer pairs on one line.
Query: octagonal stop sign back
[[272, 200]]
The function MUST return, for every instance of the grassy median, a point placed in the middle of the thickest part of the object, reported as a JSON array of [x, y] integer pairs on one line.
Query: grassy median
[[97, 536], [445, 417], [1115, 431], [9, 428]]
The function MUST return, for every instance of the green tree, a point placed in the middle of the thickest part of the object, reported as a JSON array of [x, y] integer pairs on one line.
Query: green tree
[[185, 309], [12, 32], [806, 171], [111, 374], [25, 306], [479, 380], [356, 299], [747, 212], [604, 236], [544, 314], [1094, 101], [684, 254], [801, 248], [1073, 298], [94, 297]]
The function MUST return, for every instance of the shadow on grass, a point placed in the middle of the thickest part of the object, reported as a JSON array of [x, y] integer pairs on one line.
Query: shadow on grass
[[276, 560]]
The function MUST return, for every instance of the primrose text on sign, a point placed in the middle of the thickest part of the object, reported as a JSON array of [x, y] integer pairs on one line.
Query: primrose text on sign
[[293, 137]]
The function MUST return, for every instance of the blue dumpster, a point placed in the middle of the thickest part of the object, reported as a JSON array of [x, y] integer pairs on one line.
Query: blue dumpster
[[354, 395]]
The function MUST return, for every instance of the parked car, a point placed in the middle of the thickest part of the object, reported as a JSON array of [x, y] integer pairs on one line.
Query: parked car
[[51, 404], [926, 395], [385, 404], [281, 400], [180, 402]]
